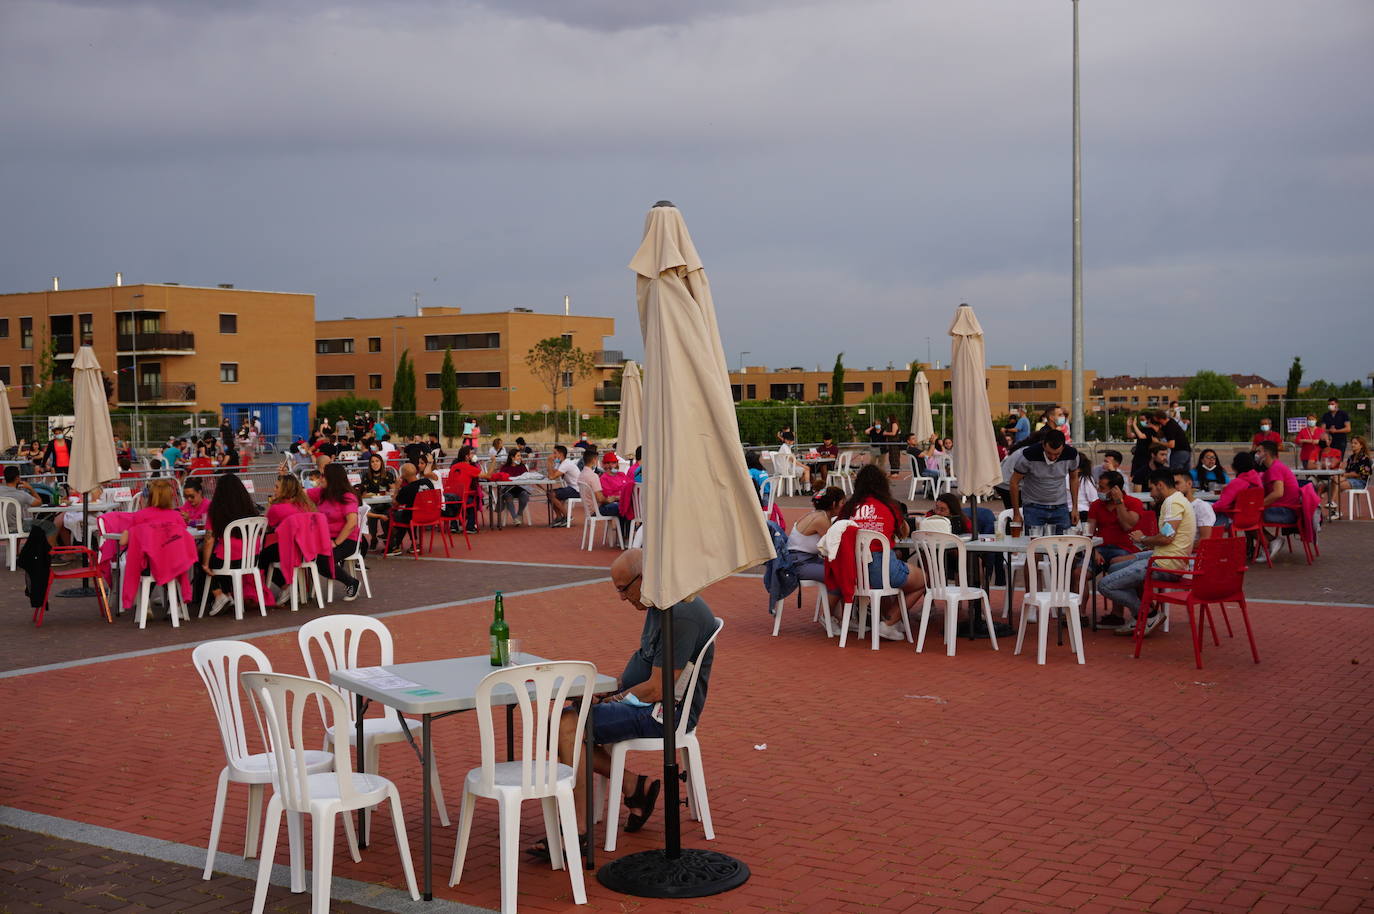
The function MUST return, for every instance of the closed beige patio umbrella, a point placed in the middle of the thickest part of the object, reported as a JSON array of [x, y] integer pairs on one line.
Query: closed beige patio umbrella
[[93, 452], [921, 425], [976, 464], [7, 436], [631, 433], [702, 517]]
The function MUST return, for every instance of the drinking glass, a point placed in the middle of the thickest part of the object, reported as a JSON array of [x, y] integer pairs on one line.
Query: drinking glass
[[514, 647]]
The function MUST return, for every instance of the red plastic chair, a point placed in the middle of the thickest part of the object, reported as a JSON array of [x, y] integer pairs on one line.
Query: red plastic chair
[[426, 514], [202, 466], [1247, 516], [88, 569], [1217, 577]]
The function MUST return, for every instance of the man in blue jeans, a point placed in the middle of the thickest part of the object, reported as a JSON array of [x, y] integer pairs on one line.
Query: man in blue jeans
[[1042, 477]]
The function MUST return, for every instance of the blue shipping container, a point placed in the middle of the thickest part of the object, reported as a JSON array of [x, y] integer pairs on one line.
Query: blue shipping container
[[282, 423]]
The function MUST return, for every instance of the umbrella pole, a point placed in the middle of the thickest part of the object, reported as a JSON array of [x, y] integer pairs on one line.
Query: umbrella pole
[[672, 872]]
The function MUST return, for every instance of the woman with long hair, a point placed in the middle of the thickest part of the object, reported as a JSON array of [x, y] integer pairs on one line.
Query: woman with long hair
[[194, 503], [1209, 471], [230, 502], [338, 502], [461, 487], [804, 539], [515, 499], [1357, 465], [288, 499], [872, 507]]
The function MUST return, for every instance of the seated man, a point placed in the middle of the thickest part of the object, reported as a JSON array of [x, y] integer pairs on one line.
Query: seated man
[[24, 493], [1281, 498], [1172, 544], [1203, 515], [630, 713], [820, 471], [1113, 516], [1111, 462], [408, 486], [564, 469], [607, 504]]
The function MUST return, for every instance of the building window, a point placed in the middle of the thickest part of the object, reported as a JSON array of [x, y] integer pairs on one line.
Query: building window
[[5, 375], [228, 323], [823, 389], [374, 344], [87, 323], [785, 391], [26, 380], [567, 338], [753, 392], [1034, 384], [432, 380], [853, 387], [877, 387], [25, 333], [228, 372], [334, 347], [374, 382], [567, 379], [438, 342], [735, 392], [4, 328], [334, 382], [477, 379]]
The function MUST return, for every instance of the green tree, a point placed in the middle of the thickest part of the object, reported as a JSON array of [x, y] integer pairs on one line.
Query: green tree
[[51, 396], [1324, 390], [911, 380], [344, 406], [1209, 385], [1294, 378], [837, 382], [448, 386], [403, 396], [558, 365]]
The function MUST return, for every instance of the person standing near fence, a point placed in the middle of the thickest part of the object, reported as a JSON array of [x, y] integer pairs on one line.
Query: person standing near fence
[[892, 441], [1336, 423]]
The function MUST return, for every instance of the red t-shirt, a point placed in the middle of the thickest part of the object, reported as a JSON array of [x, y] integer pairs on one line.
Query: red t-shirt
[[1266, 436], [461, 478], [1109, 526], [1309, 443], [871, 514]]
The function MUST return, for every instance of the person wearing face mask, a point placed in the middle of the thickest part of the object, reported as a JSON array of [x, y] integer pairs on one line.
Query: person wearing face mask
[[1209, 472], [1281, 498], [1168, 431], [461, 488], [1336, 423], [1309, 440], [1266, 433], [564, 469]]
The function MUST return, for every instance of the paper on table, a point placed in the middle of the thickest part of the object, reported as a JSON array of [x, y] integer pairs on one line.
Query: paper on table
[[383, 678]]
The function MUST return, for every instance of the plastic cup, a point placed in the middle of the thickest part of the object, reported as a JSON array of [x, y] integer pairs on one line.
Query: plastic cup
[[514, 647]]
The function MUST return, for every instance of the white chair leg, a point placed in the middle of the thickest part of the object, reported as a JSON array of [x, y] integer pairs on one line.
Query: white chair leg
[[987, 617], [844, 621], [174, 604], [906, 617], [143, 587], [352, 837], [951, 626], [460, 851], [1076, 633], [362, 576], [925, 620], [295, 842], [1021, 627], [614, 792], [875, 619], [701, 806], [510, 849], [438, 792], [250, 831], [1045, 615], [398, 822], [777, 615], [823, 606], [216, 821], [322, 833], [269, 851], [567, 815], [549, 806], [262, 591], [238, 596]]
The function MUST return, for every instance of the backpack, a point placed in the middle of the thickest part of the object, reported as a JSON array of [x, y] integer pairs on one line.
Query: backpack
[[779, 577]]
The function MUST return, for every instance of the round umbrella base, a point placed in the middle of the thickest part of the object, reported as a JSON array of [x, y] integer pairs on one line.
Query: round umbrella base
[[695, 874]]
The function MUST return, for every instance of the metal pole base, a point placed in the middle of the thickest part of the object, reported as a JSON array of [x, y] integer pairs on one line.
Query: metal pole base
[[695, 874]]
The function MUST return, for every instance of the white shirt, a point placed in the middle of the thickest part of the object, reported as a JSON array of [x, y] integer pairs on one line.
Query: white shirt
[[388, 447], [570, 472], [1203, 513]]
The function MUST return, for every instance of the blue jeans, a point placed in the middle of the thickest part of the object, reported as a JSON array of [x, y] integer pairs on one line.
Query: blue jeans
[[1108, 553], [1277, 515], [897, 572], [1044, 515], [615, 722], [1125, 583]]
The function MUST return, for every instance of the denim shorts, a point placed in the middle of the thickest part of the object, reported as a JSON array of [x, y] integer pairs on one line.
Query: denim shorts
[[616, 721], [1357, 484], [897, 572]]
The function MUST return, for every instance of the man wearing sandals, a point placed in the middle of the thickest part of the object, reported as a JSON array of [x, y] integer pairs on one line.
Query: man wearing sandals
[[629, 713]]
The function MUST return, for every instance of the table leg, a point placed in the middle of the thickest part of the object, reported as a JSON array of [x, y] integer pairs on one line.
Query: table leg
[[589, 792], [427, 793], [362, 764]]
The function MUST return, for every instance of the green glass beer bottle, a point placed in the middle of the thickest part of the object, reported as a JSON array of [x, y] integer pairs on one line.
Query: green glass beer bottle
[[500, 635]]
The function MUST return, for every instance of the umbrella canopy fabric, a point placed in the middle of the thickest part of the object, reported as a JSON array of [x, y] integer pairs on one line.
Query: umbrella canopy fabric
[[975, 449], [7, 436], [93, 458], [702, 517], [631, 434], [921, 425]]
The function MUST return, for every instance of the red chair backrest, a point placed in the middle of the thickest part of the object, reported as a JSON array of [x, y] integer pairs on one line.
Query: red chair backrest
[[394, 458], [1220, 569], [429, 505], [201, 462], [1248, 509]]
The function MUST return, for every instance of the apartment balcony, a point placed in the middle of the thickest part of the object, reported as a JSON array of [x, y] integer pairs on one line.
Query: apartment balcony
[[608, 358], [157, 343], [606, 395], [156, 393]]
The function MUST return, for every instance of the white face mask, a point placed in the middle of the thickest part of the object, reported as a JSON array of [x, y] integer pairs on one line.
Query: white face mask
[[1060, 420], [1264, 428], [1332, 407], [1311, 423]]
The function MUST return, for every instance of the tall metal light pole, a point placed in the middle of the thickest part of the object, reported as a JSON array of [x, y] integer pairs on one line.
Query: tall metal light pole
[[1077, 384], [741, 361], [133, 337]]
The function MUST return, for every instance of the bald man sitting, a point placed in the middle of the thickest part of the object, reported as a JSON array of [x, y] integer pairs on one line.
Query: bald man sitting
[[410, 484], [629, 713]]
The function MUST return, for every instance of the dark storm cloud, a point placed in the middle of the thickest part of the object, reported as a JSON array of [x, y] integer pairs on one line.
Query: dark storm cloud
[[861, 163]]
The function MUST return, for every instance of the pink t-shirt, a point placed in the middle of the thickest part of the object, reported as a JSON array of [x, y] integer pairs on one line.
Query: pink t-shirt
[[1280, 472], [280, 512], [195, 514], [336, 513], [157, 516], [617, 484]]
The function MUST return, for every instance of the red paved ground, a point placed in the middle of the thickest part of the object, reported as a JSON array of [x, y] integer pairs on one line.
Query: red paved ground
[[889, 781]]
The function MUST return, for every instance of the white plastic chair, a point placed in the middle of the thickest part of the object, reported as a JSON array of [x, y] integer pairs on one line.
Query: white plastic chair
[[637, 522], [279, 705], [176, 610], [924, 483], [872, 596], [250, 530], [540, 689], [769, 495], [592, 516], [786, 467], [358, 559], [822, 604], [842, 475], [219, 664], [687, 745], [1351, 495], [932, 547], [947, 478], [1058, 556], [339, 639], [11, 526]]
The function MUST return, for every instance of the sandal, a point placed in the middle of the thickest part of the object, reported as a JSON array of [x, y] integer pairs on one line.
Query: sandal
[[539, 850], [644, 800]]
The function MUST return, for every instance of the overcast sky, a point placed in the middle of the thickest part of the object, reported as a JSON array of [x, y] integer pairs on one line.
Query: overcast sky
[[850, 169]]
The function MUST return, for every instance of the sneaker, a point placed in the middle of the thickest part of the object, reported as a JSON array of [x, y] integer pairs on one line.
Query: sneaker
[[221, 601], [397, 550], [1126, 628], [518, 522], [1274, 546], [1152, 622], [1115, 620], [351, 591], [890, 632], [472, 529]]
